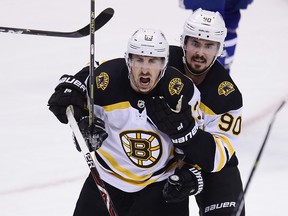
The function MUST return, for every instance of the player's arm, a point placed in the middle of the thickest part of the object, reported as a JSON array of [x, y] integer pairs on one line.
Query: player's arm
[[72, 90], [210, 146], [214, 145]]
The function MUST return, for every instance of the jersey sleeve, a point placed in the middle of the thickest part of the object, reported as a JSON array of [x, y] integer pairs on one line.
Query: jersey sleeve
[[214, 144], [225, 129], [83, 74]]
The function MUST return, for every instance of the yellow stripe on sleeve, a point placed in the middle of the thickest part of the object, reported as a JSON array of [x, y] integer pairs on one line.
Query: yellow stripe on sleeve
[[206, 109], [222, 155], [230, 148]]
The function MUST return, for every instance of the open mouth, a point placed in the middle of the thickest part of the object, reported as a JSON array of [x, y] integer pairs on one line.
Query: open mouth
[[144, 81]]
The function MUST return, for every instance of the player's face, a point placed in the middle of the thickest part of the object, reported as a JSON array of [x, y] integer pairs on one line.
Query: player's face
[[200, 53], [145, 72]]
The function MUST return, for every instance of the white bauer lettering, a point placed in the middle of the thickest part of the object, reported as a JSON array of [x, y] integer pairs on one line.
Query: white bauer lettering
[[220, 206], [74, 82], [198, 175], [186, 137]]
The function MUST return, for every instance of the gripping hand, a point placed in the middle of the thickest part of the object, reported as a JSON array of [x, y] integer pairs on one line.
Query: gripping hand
[[69, 91], [183, 183], [94, 135], [178, 124]]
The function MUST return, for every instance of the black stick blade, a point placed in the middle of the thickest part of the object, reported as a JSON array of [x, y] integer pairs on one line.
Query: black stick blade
[[100, 21]]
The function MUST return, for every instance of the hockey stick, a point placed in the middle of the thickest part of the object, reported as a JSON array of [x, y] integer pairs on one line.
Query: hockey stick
[[73, 124], [99, 21], [91, 66], [240, 205], [90, 161]]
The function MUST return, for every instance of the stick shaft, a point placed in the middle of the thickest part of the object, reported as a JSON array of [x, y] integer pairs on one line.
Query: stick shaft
[[240, 202]]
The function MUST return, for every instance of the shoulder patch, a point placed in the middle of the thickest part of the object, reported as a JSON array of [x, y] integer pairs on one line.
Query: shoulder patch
[[175, 86], [102, 80], [225, 88]]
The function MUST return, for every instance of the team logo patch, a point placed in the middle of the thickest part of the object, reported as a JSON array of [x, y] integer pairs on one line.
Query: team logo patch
[[175, 86], [225, 88], [143, 148], [102, 80]]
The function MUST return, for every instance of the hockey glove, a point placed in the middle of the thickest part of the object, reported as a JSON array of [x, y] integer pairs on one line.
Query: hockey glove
[[94, 135], [183, 183], [178, 124], [69, 91]]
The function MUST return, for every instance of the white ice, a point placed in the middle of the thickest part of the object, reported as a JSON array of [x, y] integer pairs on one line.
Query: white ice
[[41, 173]]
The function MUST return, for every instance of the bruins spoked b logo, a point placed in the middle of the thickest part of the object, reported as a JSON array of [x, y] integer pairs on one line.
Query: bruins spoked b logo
[[143, 148]]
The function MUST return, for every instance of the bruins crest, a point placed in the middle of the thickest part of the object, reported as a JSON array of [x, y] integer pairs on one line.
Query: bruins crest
[[143, 148], [225, 88], [175, 86], [102, 80]]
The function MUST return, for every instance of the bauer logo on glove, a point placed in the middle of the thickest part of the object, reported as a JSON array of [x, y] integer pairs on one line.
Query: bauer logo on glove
[[69, 91], [70, 80]]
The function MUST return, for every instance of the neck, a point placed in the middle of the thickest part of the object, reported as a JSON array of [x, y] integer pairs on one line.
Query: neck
[[196, 79]]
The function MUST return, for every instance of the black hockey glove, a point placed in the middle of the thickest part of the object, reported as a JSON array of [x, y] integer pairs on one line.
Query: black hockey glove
[[94, 135], [69, 91], [183, 183], [178, 124]]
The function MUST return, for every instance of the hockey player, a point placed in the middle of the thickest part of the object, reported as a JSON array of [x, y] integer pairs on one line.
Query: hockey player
[[212, 149], [136, 158], [231, 12]]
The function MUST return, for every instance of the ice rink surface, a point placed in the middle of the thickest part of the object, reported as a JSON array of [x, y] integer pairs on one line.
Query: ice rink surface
[[41, 173]]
